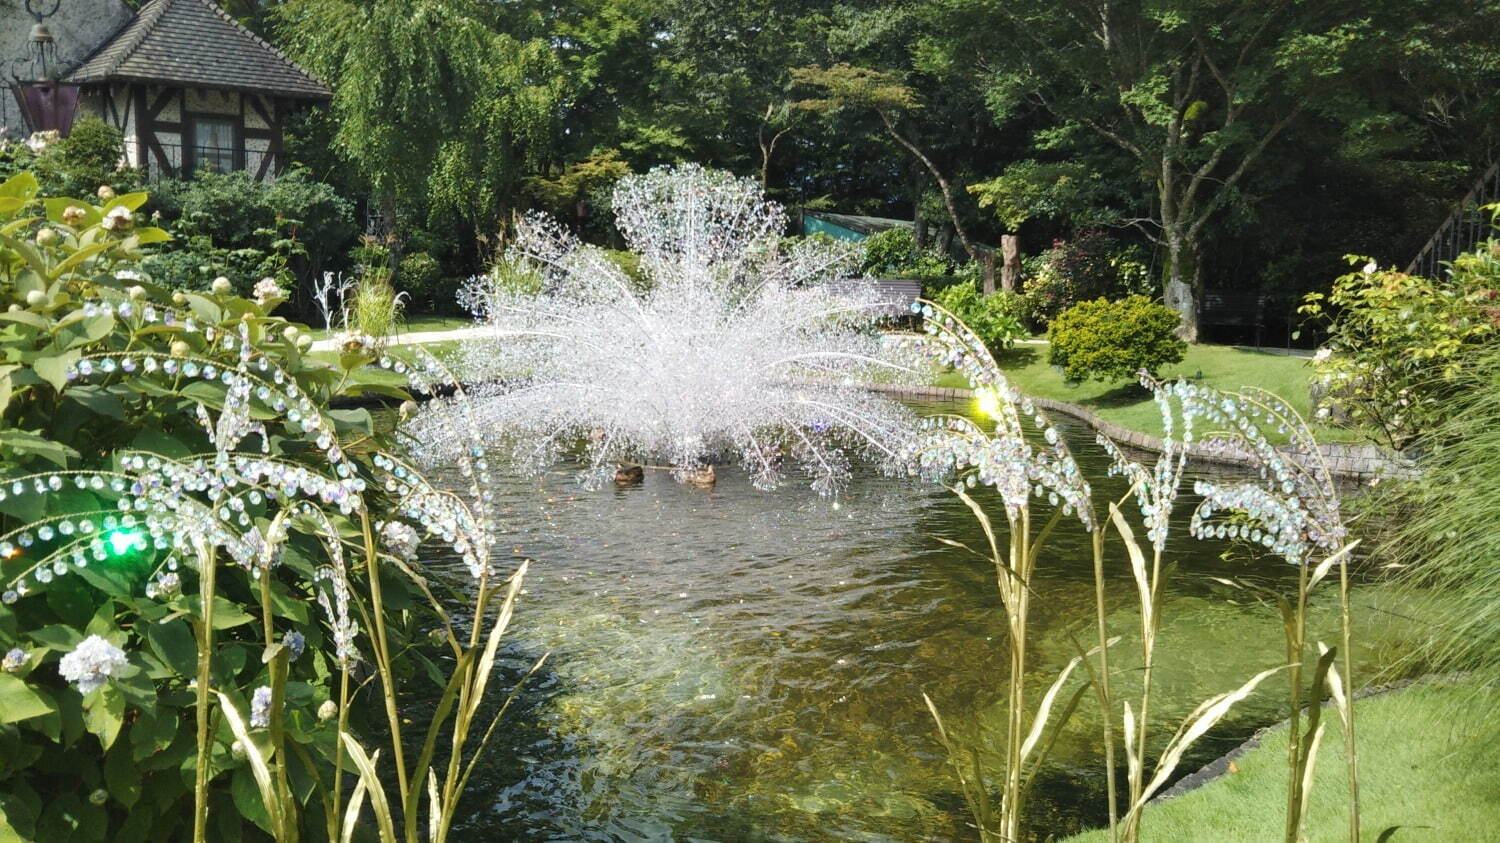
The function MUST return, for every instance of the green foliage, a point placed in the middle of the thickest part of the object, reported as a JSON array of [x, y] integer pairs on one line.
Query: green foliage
[[1397, 343], [893, 253], [998, 319], [110, 386], [78, 165], [440, 107], [422, 279], [1030, 189], [234, 226], [1443, 526], [1090, 266], [1114, 340]]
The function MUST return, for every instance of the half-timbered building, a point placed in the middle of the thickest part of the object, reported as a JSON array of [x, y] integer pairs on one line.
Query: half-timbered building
[[190, 88]]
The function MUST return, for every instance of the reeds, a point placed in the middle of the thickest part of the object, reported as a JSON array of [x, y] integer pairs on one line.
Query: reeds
[[1291, 509]]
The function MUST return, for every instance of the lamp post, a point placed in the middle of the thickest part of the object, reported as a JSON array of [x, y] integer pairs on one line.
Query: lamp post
[[46, 103]]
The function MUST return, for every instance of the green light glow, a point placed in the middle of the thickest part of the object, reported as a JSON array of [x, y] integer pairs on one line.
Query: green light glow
[[124, 541]]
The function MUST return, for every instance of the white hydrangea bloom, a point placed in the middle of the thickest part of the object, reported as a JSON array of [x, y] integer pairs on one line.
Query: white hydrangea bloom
[[400, 539], [91, 663]]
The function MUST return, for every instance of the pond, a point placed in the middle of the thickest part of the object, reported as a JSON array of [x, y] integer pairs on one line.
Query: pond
[[729, 664]]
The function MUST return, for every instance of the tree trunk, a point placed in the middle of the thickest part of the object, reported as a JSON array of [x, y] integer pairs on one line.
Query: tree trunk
[[947, 189], [988, 263], [1184, 282], [1010, 273]]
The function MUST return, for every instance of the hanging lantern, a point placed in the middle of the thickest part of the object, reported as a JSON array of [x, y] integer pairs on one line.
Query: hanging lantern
[[47, 104]]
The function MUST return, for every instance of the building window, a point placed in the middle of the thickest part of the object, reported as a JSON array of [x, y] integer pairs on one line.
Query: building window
[[212, 144]]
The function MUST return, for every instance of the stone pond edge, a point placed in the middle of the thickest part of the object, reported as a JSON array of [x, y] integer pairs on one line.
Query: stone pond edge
[[1351, 462]]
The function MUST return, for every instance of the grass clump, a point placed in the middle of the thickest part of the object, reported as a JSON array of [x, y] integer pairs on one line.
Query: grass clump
[[1445, 526]]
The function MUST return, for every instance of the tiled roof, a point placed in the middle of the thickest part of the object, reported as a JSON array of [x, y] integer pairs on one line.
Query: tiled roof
[[195, 43]]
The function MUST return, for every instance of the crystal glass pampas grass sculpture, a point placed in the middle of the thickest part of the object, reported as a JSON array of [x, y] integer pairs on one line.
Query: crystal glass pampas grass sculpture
[[1155, 490], [276, 505], [957, 452], [735, 342], [1291, 510]]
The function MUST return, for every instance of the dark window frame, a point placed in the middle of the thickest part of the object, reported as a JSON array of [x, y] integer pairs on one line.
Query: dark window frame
[[190, 145]]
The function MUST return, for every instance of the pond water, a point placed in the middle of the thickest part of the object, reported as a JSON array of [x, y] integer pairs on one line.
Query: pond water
[[728, 664]]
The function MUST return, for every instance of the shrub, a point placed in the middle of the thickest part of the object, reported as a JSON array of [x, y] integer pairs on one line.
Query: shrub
[[1113, 340], [1090, 266], [1397, 343], [998, 318], [893, 253], [232, 225], [78, 165], [192, 556], [422, 278]]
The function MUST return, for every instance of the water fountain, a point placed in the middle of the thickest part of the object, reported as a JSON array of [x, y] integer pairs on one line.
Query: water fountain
[[734, 344]]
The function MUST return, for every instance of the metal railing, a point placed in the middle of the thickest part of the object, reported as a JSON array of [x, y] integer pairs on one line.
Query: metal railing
[[1466, 227], [183, 161]]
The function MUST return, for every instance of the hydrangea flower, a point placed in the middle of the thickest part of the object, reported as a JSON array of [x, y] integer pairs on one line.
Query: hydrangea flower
[[400, 539], [14, 660], [117, 219], [91, 663], [260, 707], [265, 289], [295, 642]]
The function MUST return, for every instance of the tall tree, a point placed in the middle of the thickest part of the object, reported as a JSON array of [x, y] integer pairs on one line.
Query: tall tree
[[437, 106], [1195, 91], [847, 87]]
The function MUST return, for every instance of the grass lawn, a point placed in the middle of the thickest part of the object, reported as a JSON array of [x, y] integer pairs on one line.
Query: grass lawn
[[419, 323], [1224, 367], [1427, 771]]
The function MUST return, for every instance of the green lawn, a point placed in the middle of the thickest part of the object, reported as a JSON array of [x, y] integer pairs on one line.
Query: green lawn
[[1225, 367], [419, 323], [1427, 771]]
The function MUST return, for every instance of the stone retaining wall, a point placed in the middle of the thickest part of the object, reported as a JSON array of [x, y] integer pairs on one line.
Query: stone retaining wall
[[1350, 462]]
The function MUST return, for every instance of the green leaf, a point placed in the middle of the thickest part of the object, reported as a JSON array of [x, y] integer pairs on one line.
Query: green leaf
[[148, 235], [30, 443], [19, 701], [130, 201], [96, 398], [26, 317], [247, 798], [79, 257], [227, 615], [58, 205], [22, 185], [104, 714], [57, 637], [54, 369], [121, 776], [173, 641], [352, 421], [83, 330]]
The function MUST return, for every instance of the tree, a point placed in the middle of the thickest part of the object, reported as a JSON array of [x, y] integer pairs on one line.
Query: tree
[[884, 94], [436, 106], [1195, 91]]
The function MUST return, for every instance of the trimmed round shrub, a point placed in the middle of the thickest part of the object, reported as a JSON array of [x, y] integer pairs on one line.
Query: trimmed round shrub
[[1113, 340], [999, 318]]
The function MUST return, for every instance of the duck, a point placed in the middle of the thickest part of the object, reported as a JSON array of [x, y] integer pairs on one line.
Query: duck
[[702, 477]]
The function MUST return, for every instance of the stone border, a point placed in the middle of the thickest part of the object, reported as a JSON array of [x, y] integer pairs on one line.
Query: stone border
[[1350, 462]]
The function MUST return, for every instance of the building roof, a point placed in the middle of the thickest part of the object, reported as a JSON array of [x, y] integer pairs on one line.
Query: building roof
[[195, 43], [867, 226]]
